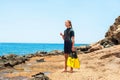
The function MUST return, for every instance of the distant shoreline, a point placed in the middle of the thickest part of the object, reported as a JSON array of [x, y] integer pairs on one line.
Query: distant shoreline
[[36, 43], [30, 48]]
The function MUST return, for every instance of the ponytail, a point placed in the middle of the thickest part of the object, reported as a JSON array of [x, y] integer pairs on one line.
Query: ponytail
[[70, 23]]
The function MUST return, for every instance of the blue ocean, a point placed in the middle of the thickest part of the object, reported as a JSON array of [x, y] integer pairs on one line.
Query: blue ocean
[[28, 48]]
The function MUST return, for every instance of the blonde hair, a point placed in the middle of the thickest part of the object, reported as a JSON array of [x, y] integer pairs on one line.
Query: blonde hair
[[70, 23]]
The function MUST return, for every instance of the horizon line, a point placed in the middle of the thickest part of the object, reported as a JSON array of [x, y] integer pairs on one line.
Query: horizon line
[[39, 43]]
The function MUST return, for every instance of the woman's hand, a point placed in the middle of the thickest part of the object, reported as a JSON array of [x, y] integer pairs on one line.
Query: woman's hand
[[61, 34], [73, 48], [73, 42]]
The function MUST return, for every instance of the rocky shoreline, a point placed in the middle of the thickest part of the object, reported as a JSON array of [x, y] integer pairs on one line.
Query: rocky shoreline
[[12, 59], [105, 48]]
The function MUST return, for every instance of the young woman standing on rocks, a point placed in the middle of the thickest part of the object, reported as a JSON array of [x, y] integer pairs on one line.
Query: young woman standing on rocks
[[69, 41]]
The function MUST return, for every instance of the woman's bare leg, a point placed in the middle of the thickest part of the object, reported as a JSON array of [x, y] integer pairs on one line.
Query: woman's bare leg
[[71, 71], [66, 57]]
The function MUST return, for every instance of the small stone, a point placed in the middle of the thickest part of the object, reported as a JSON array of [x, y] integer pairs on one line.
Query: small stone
[[41, 60]]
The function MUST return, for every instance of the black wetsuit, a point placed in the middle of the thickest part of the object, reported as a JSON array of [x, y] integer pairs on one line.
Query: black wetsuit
[[68, 34]]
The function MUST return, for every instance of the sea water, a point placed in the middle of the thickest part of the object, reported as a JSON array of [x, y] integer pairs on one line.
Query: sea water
[[28, 48]]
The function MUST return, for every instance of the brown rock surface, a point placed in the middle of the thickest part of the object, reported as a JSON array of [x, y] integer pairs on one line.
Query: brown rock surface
[[99, 65]]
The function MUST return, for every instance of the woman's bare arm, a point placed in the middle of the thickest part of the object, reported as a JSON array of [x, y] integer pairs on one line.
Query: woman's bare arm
[[73, 42], [62, 35]]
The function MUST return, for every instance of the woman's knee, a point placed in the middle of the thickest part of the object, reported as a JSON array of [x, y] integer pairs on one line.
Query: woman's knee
[[66, 56]]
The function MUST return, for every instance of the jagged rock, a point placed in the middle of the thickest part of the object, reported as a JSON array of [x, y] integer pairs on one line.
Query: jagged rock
[[10, 56], [21, 59], [8, 65], [2, 62], [96, 47], [55, 52], [112, 37], [40, 76], [11, 60], [29, 55], [113, 33], [83, 48], [41, 54], [108, 42]]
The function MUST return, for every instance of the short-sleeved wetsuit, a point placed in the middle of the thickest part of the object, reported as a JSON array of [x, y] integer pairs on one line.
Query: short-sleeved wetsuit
[[68, 34]]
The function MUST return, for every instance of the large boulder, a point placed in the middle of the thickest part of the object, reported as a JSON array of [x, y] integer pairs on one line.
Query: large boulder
[[113, 34], [11, 60], [112, 37]]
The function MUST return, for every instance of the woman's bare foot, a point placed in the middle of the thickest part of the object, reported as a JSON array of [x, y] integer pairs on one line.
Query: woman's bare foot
[[64, 71], [71, 71]]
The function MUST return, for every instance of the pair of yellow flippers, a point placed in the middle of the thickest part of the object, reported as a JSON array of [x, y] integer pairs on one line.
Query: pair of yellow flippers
[[73, 60]]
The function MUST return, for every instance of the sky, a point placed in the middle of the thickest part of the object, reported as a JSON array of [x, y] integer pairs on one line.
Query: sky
[[41, 21]]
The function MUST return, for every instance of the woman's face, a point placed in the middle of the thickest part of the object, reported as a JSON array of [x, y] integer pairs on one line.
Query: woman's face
[[67, 24]]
